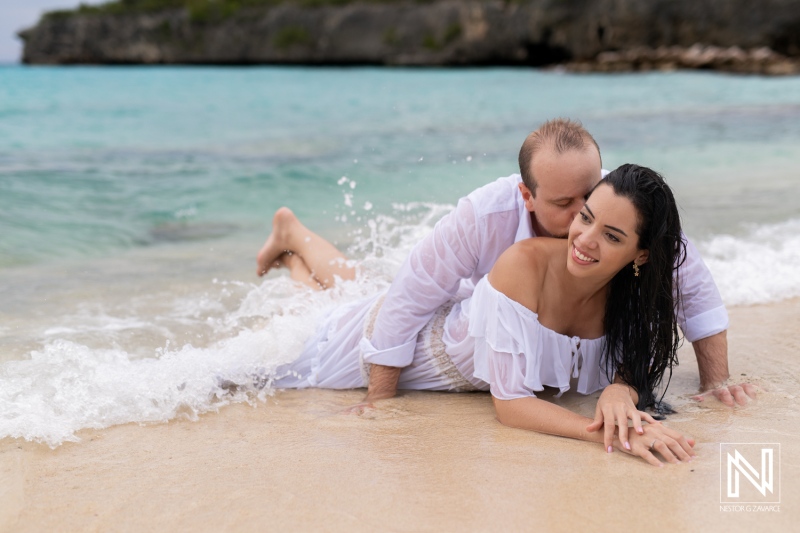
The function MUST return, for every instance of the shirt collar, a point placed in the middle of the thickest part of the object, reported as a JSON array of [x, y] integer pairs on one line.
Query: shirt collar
[[525, 228]]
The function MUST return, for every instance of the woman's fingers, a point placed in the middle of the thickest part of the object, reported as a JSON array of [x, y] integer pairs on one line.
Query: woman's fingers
[[673, 446], [637, 421], [662, 447], [622, 423], [609, 429], [594, 426], [648, 456], [647, 417], [621, 417], [636, 417], [672, 450], [681, 450], [685, 443], [597, 423]]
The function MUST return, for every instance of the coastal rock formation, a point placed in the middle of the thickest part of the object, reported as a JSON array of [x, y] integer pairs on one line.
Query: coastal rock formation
[[742, 35], [733, 59]]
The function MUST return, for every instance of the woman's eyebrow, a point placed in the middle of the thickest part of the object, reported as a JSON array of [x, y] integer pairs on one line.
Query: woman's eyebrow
[[609, 227], [616, 229]]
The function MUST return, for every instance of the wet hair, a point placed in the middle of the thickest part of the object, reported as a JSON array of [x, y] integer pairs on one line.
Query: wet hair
[[562, 135], [641, 333]]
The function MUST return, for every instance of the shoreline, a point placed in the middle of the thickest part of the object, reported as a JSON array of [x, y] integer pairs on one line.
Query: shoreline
[[421, 461]]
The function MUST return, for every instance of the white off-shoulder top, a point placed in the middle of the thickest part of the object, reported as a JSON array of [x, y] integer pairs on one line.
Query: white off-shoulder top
[[496, 340]]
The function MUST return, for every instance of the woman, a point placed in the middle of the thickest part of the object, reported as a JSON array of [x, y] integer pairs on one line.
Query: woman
[[595, 307]]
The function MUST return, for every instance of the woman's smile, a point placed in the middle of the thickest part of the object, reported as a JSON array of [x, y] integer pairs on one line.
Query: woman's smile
[[580, 257]]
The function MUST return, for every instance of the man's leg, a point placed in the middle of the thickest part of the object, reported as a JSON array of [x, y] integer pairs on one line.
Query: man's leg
[[320, 257]]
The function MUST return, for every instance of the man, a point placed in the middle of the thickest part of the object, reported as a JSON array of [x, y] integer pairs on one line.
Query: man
[[559, 165]]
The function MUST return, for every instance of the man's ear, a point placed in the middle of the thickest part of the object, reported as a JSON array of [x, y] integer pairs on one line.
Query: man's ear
[[527, 196], [642, 258]]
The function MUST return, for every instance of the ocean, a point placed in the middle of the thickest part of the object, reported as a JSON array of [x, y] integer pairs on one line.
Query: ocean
[[133, 202]]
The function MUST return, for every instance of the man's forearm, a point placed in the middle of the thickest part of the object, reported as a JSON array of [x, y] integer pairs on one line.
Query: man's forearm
[[383, 382], [712, 360]]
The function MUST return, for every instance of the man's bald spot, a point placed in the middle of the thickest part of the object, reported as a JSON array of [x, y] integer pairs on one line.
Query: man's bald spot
[[559, 135]]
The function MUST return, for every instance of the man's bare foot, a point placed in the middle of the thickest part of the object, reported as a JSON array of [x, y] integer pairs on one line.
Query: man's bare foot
[[276, 244], [283, 260]]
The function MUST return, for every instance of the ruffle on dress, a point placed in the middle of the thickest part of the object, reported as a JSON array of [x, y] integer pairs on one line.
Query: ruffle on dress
[[518, 356]]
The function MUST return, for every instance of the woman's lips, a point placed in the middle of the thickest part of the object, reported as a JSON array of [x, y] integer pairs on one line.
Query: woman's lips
[[582, 258]]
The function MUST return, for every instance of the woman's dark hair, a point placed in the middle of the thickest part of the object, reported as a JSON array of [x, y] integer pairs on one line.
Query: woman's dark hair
[[641, 334]]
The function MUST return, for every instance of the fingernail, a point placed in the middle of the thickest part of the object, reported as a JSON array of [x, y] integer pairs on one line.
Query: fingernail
[[610, 449], [660, 465], [639, 431], [627, 445]]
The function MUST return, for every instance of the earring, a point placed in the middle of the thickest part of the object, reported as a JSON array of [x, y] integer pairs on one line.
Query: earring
[[635, 270]]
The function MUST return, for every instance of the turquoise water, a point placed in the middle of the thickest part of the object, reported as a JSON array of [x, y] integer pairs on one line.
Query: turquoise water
[[96, 160], [133, 201]]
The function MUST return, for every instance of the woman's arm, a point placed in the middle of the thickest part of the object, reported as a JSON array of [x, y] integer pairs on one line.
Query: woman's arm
[[506, 372], [539, 415], [542, 416]]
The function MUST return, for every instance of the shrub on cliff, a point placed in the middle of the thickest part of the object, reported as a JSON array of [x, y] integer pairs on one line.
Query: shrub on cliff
[[199, 10]]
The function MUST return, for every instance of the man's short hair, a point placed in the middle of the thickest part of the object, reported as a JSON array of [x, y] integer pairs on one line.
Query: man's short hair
[[562, 135]]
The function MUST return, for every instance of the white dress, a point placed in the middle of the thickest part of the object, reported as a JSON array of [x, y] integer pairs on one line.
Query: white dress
[[485, 342]]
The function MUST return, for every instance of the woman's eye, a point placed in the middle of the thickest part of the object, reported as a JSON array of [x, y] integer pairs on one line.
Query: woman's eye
[[583, 216], [612, 237]]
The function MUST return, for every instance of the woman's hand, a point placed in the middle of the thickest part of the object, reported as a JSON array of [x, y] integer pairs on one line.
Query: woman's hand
[[614, 408], [672, 445]]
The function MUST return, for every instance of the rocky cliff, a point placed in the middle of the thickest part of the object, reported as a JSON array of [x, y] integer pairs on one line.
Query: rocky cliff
[[742, 35]]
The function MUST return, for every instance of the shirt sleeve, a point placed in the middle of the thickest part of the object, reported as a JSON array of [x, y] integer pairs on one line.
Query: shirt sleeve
[[428, 278], [701, 313]]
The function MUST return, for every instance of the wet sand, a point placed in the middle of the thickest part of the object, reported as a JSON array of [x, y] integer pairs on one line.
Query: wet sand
[[419, 462]]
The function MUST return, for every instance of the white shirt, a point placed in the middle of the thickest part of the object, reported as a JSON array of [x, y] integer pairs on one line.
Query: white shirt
[[463, 247]]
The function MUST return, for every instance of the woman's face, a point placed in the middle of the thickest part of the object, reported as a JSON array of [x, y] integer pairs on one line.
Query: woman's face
[[602, 238]]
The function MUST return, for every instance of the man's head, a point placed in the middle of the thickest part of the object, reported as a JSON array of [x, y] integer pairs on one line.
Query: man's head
[[560, 164]]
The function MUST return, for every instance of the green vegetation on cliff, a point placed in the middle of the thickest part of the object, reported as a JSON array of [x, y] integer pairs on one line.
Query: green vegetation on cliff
[[607, 35], [199, 10]]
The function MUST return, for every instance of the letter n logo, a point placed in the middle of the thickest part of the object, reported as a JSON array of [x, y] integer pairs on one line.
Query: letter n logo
[[762, 481], [748, 474]]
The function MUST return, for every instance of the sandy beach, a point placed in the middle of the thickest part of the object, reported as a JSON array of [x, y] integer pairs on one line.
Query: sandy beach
[[419, 462]]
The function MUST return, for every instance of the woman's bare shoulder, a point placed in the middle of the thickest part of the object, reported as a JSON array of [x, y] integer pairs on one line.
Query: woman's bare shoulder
[[521, 269]]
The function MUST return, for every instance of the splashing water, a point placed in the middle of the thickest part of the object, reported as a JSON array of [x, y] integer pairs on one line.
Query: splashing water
[[67, 385]]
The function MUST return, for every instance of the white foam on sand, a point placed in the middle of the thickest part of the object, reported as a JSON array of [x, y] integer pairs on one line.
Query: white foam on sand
[[66, 386]]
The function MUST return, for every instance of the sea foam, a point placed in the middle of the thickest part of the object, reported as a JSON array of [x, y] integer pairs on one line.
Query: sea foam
[[68, 384], [759, 267]]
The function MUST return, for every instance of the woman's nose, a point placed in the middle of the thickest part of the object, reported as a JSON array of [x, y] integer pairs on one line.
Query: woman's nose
[[589, 239]]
